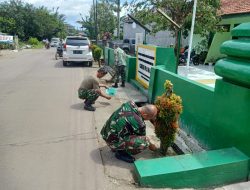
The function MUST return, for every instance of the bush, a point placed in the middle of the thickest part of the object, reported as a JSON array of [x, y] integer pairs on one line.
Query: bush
[[97, 54], [93, 47], [33, 41]]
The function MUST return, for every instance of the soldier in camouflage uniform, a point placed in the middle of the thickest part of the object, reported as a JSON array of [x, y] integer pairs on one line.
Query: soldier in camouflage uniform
[[125, 130], [120, 65], [90, 89]]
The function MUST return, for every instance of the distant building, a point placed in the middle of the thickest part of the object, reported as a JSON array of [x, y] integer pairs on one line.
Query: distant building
[[161, 38]]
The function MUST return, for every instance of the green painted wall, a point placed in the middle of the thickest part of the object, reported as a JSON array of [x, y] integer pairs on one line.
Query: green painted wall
[[106, 55], [111, 57], [166, 56], [214, 50], [231, 117], [220, 117], [217, 118], [131, 68], [197, 100], [220, 37]]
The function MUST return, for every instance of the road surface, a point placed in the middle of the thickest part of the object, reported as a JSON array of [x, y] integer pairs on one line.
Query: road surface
[[47, 140]]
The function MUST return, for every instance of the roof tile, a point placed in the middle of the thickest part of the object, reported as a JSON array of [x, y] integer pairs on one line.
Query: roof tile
[[229, 7]]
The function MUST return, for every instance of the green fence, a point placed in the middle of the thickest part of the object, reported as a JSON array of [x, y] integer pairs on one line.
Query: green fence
[[217, 117]]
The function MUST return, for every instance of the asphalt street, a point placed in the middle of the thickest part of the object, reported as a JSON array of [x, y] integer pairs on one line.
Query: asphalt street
[[47, 140]]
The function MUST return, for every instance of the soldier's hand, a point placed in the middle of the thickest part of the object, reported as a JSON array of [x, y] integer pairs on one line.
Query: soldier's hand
[[108, 97], [152, 147]]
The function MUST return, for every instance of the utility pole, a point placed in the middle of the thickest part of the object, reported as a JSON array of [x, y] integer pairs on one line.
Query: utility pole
[[94, 17], [96, 25], [191, 33], [118, 19]]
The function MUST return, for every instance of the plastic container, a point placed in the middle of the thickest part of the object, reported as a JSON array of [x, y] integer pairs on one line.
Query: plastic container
[[111, 91]]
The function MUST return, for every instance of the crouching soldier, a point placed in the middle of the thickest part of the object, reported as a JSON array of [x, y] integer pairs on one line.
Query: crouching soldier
[[90, 89], [125, 130]]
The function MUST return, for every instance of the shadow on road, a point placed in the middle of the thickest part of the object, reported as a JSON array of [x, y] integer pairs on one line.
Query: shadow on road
[[78, 106], [59, 64], [108, 158]]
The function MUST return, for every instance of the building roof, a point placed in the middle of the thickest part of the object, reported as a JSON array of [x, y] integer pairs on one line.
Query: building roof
[[230, 7]]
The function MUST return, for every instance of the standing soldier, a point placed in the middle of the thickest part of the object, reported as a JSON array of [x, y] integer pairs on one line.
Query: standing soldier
[[120, 65], [125, 130]]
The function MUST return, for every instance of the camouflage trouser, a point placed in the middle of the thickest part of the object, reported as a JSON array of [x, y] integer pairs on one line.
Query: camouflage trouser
[[120, 71], [132, 144], [90, 95]]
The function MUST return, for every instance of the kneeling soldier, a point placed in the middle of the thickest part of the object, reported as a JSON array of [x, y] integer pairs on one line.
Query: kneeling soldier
[[125, 130]]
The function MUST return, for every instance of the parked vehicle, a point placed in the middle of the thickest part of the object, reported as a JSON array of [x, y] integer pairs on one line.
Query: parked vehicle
[[195, 58], [77, 49], [54, 42]]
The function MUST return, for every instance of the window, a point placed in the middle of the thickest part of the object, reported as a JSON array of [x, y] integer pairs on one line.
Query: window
[[223, 28], [77, 41]]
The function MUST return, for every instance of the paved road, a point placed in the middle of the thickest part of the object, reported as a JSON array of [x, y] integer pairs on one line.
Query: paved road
[[47, 142]]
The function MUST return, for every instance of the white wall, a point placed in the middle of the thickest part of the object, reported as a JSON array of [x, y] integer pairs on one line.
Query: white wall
[[161, 38]]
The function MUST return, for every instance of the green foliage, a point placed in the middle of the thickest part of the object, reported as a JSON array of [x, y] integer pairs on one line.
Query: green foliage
[[106, 20], [33, 41], [25, 20], [179, 11], [169, 108], [97, 53], [7, 24]]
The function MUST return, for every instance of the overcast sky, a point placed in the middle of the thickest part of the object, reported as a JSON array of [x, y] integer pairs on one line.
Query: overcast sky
[[70, 8]]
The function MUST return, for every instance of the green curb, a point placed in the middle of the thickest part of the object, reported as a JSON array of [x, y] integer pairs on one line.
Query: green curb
[[200, 170]]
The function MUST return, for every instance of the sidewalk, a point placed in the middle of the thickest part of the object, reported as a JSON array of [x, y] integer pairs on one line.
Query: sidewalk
[[120, 173]]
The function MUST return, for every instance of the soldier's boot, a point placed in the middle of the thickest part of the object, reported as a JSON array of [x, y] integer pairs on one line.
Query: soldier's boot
[[115, 85], [123, 84], [91, 102], [88, 105], [124, 156]]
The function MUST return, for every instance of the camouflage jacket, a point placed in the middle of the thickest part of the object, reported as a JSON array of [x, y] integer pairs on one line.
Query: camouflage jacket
[[124, 122]]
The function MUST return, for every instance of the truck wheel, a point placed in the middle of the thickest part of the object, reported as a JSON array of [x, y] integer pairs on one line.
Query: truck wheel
[[90, 63]]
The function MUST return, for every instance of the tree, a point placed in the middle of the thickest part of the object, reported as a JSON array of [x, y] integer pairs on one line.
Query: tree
[[105, 20], [25, 20], [7, 24], [88, 25], [180, 11]]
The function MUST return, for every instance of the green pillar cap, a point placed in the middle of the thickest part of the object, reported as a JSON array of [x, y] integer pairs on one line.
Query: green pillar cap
[[243, 30]]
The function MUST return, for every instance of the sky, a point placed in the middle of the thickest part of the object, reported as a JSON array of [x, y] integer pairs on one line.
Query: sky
[[70, 8]]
